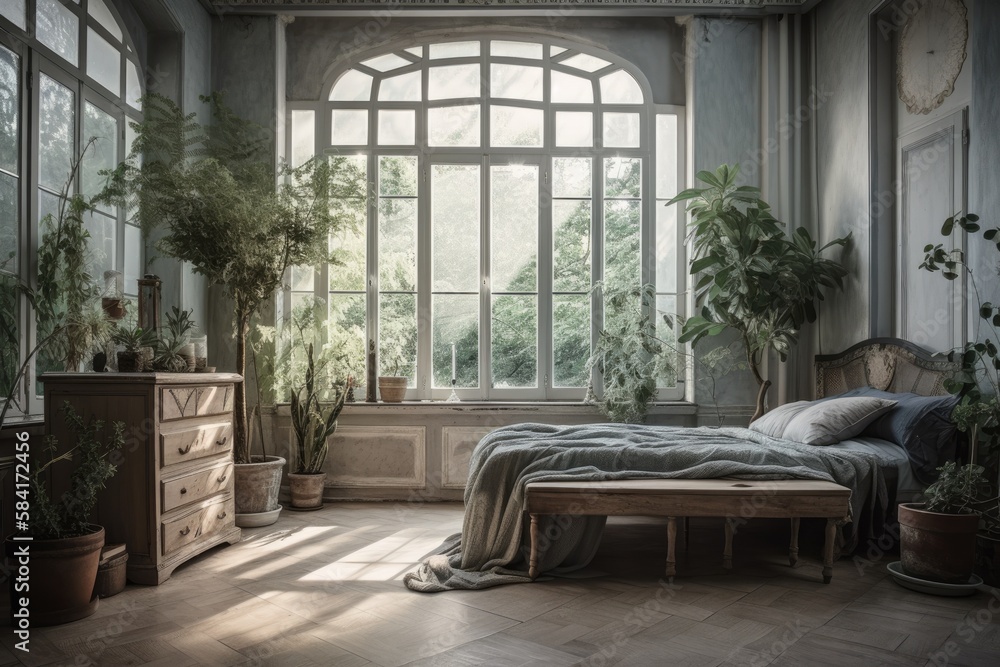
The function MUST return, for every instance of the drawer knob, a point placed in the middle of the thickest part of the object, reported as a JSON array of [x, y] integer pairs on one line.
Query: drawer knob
[[184, 450], [183, 490], [222, 516], [187, 529], [223, 479], [223, 440]]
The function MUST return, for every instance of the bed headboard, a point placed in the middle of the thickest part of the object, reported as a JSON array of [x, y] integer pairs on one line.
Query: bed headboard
[[889, 364]]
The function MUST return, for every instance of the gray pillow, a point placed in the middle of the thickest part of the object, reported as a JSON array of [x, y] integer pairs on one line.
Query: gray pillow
[[822, 422]]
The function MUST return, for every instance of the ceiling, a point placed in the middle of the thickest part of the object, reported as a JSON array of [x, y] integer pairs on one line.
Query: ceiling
[[501, 7]]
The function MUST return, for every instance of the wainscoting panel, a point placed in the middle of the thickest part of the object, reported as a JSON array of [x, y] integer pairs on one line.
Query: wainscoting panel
[[457, 443], [386, 456]]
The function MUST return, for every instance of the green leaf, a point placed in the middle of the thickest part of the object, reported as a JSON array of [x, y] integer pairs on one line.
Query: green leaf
[[986, 310], [700, 265], [948, 226], [972, 217], [990, 234]]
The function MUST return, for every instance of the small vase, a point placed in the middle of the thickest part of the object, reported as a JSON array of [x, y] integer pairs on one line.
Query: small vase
[[100, 363]]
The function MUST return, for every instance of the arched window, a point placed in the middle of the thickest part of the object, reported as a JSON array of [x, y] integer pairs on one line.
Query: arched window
[[74, 68], [507, 177]]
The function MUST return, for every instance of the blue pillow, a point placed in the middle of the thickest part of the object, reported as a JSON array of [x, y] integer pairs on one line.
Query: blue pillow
[[921, 425]]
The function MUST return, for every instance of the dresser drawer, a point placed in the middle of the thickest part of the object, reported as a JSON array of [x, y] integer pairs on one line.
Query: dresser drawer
[[184, 402], [178, 533], [195, 442], [196, 486]]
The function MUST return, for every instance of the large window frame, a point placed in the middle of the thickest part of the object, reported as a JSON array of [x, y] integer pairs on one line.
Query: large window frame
[[553, 53], [37, 60]]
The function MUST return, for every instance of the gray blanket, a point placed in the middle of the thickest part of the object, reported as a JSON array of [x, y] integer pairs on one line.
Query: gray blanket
[[493, 545]]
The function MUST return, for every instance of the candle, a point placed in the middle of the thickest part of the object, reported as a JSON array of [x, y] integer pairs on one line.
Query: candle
[[453, 376]]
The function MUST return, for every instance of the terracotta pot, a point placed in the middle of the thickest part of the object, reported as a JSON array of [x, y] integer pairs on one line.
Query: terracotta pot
[[256, 487], [306, 489], [113, 308], [937, 547], [392, 388], [62, 576], [128, 362]]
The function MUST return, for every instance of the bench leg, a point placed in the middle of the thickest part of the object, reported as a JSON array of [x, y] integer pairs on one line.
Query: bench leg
[[671, 548], [828, 545], [727, 554], [533, 559], [793, 546], [686, 526]]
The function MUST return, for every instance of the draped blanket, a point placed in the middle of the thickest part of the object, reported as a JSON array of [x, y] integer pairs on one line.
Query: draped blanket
[[493, 545]]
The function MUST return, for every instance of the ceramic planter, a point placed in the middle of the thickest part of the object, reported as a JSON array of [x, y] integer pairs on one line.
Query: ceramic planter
[[128, 362], [306, 489], [63, 575], [937, 547], [256, 487], [392, 388]]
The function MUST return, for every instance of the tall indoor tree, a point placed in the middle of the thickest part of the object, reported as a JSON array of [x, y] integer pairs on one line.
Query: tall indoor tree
[[755, 279], [223, 207]]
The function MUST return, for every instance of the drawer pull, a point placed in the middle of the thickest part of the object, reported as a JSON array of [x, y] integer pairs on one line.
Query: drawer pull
[[222, 516], [222, 480], [184, 450], [183, 490], [197, 533], [223, 440], [187, 529]]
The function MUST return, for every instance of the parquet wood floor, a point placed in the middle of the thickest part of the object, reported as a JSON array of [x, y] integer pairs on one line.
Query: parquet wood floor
[[323, 589]]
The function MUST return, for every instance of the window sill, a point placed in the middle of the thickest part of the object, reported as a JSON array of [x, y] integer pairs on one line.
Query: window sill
[[444, 407]]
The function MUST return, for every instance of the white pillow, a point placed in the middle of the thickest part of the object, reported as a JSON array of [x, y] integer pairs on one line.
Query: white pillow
[[822, 422]]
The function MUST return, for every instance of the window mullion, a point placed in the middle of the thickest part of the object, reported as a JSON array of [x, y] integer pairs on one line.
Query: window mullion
[[425, 350], [544, 280], [485, 284]]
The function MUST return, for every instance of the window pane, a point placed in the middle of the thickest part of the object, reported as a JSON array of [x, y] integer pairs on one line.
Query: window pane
[[570, 340], [133, 87], [133, 259], [515, 341], [454, 50], [352, 86], [55, 133], [666, 248], [667, 325], [103, 15], [384, 63], [303, 136], [102, 154], [350, 271], [572, 89], [8, 224], [350, 127], [397, 335], [622, 177], [516, 82], [346, 333], [455, 223], [10, 335], [620, 88], [574, 128], [10, 118], [571, 245], [621, 130], [303, 278], [453, 126], [397, 176], [397, 244], [556, 50], [57, 27], [515, 126], [514, 223], [572, 177], [396, 127], [103, 234], [402, 88], [516, 49], [456, 322], [104, 62], [14, 10], [621, 242], [666, 156], [418, 51], [585, 62], [454, 81]]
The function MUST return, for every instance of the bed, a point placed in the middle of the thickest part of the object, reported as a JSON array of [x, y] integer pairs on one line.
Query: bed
[[881, 466]]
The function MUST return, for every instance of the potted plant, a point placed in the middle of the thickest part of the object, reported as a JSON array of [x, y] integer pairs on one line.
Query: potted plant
[[65, 548], [755, 279], [131, 339], [978, 413], [313, 425], [211, 190], [173, 349], [392, 355]]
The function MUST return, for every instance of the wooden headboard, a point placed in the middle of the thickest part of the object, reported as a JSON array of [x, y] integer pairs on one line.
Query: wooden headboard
[[889, 364]]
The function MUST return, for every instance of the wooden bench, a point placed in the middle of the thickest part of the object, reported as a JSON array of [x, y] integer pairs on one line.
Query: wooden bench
[[736, 500]]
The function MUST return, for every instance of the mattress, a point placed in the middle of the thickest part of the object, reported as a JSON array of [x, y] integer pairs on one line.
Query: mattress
[[894, 463]]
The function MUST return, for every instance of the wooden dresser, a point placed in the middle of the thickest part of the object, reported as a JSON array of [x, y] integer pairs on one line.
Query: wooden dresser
[[172, 497]]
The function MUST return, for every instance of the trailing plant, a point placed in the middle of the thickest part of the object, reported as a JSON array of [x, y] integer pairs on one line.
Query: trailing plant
[[212, 191], [69, 514], [976, 383], [755, 279], [312, 423], [964, 489]]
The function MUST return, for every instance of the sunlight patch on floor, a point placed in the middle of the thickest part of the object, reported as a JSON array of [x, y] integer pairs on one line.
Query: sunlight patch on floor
[[383, 560]]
